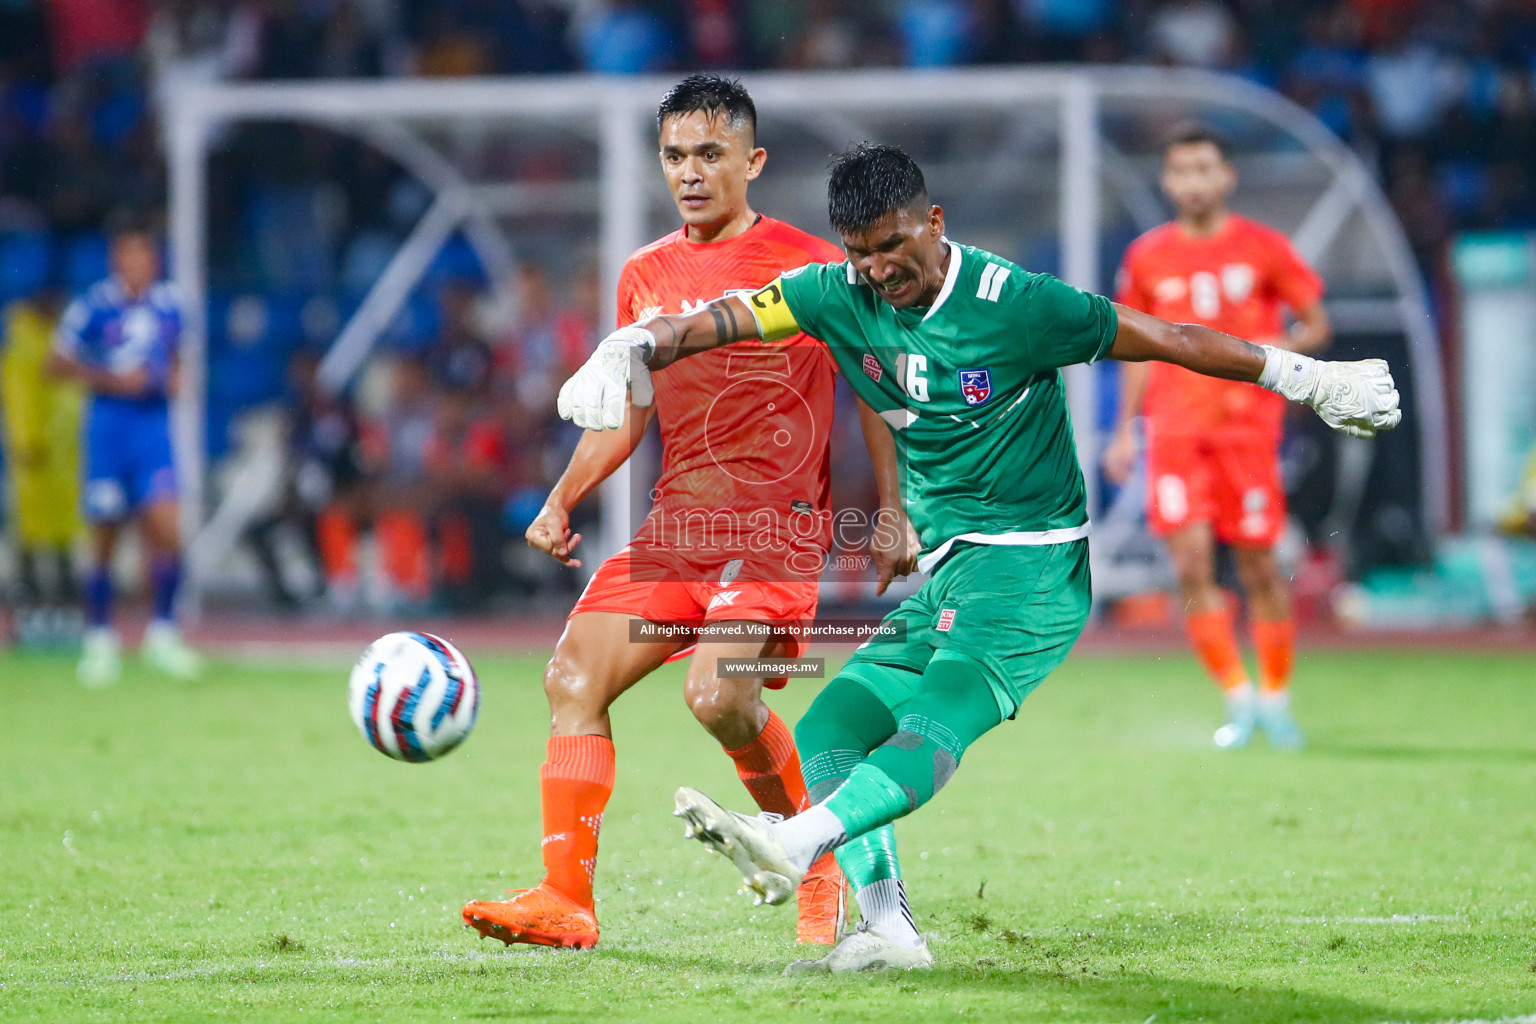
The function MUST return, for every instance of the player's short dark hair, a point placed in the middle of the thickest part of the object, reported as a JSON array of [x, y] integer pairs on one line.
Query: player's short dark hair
[[1191, 133], [868, 182], [712, 94], [126, 221]]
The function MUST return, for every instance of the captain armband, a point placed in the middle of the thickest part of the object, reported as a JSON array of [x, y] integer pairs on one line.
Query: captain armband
[[772, 313]]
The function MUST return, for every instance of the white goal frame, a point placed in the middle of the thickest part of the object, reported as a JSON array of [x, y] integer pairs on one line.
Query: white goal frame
[[383, 114]]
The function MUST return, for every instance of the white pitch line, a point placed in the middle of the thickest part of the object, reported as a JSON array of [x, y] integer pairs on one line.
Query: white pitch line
[[1394, 919], [1529, 1018]]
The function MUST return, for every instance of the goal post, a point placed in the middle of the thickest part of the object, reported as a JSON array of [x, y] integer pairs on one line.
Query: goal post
[[1044, 165]]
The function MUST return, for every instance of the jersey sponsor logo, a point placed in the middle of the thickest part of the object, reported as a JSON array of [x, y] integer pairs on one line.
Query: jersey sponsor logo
[[801, 507], [648, 312], [1170, 289], [872, 368], [946, 619], [696, 304], [1237, 281], [976, 385], [992, 277]]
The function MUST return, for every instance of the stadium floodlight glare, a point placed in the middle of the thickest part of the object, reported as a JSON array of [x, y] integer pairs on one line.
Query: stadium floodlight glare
[[1326, 199]]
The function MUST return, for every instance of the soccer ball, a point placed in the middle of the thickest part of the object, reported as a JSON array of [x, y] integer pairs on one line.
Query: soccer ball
[[413, 696]]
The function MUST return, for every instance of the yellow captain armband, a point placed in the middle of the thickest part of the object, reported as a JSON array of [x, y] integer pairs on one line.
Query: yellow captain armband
[[772, 313]]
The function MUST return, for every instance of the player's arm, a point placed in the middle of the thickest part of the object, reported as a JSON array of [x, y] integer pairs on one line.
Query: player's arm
[[97, 379], [1120, 455], [894, 545], [598, 454], [619, 372], [721, 322], [1358, 398], [64, 362]]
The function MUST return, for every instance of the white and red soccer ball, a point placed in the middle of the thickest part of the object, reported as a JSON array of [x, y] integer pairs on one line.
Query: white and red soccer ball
[[413, 696]]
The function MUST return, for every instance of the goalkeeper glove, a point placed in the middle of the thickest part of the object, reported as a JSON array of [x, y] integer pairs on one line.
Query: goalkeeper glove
[[615, 375], [1357, 398]]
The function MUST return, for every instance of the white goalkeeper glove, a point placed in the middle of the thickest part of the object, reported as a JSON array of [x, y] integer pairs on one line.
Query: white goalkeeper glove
[[615, 376], [1357, 398]]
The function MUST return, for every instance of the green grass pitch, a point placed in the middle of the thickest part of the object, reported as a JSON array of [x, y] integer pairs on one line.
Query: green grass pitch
[[233, 851]]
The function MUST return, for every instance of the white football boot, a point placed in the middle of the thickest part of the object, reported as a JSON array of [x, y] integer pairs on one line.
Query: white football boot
[[1242, 714], [165, 650], [766, 868], [101, 660], [1279, 726], [864, 950]]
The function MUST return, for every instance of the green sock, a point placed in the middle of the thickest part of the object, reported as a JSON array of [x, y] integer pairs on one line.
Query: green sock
[[952, 708], [870, 858], [843, 725]]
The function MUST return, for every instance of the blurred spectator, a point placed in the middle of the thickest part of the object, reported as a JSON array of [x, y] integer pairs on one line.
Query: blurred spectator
[[468, 472], [1201, 33], [323, 491], [1062, 30], [42, 416], [537, 344], [936, 33], [715, 33], [625, 37], [450, 47], [94, 30], [838, 34], [1410, 81], [392, 496], [534, 37], [1326, 74]]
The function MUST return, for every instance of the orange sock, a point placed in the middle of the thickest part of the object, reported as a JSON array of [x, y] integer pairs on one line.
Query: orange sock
[[575, 783], [1276, 645], [1216, 647], [769, 767]]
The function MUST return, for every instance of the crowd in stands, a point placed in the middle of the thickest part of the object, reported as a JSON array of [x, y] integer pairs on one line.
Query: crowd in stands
[[1437, 95]]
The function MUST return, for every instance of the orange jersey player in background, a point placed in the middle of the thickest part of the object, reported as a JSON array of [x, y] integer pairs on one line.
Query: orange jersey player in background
[[1213, 463], [734, 544]]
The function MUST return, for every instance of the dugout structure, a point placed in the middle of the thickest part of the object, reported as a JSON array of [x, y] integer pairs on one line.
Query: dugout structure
[[1055, 168]]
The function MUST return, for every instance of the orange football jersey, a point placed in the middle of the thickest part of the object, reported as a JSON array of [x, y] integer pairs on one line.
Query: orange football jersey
[[1236, 281], [744, 428]]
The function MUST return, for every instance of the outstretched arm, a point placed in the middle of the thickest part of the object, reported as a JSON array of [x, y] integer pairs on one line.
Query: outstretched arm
[[713, 324], [1358, 398], [619, 372]]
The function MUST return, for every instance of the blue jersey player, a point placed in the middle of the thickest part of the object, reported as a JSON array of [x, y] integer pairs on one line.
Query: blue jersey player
[[121, 340]]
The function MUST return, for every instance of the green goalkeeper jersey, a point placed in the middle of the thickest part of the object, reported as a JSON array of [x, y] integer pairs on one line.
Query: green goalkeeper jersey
[[971, 387]]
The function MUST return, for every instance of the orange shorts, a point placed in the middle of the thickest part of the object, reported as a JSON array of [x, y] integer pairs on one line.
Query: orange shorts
[[1233, 484], [655, 583]]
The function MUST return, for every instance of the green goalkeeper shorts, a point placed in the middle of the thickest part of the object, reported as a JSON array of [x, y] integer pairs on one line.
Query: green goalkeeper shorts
[[1016, 609]]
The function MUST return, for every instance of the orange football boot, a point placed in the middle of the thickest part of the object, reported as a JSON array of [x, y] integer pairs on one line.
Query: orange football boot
[[541, 916], [823, 902]]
